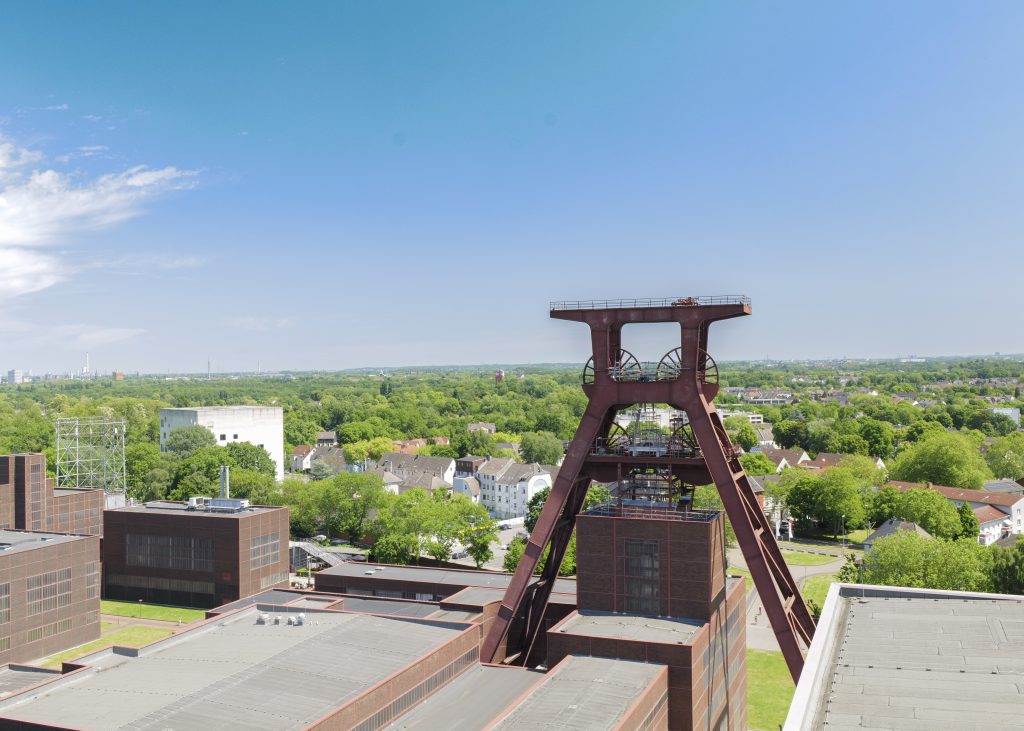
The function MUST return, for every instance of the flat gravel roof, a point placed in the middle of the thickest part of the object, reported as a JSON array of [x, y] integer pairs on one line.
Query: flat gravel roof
[[583, 692], [235, 673], [15, 541], [469, 701], [456, 577], [931, 660], [668, 630]]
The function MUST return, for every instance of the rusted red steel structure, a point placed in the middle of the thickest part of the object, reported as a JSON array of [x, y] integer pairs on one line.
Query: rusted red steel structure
[[686, 379]]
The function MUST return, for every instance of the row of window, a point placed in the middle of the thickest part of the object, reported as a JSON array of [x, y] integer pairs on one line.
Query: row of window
[[49, 630], [169, 552], [274, 579], [265, 550], [49, 591], [160, 584]]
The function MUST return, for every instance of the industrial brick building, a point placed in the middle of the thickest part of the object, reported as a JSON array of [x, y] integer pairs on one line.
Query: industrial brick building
[[203, 554], [29, 500], [49, 593]]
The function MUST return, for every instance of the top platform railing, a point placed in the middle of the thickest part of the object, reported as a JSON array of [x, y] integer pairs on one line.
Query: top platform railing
[[724, 299]]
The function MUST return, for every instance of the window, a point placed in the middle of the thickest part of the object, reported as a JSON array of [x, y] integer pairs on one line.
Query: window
[[641, 576], [234, 436], [92, 580], [265, 550], [223, 437], [49, 630], [5, 603], [48, 591], [170, 552]]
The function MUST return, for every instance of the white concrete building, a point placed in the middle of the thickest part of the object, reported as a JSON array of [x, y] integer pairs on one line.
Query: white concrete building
[[259, 425], [505, 487]]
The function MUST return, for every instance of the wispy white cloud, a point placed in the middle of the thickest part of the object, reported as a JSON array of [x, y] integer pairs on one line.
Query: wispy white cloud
[[56, 108], [258, 324], [40, 205], [74, 336]]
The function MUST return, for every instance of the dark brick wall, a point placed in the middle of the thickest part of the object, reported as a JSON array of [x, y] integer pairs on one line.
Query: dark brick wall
[[232, 576], [28, 502], [691, 563], [74, 624]]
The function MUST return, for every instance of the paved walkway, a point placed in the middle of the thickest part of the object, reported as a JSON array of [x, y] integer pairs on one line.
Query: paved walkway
[[760, 635]]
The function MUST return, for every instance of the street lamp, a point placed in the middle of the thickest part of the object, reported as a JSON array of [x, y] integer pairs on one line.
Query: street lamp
[[843, 541]]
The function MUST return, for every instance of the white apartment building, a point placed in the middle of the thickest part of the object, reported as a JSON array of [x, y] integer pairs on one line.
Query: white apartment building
[[503, 486], [259, 425]]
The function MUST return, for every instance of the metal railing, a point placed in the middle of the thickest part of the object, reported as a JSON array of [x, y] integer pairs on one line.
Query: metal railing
[[725, 299], [656, 511], [649, 448]]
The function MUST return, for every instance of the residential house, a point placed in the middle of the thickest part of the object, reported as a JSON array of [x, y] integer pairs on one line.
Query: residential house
[[1010, 504], [832, 459], [991, 524], [777, 513], [1010, 413], [503, 486], [391, 481], [765, 436], [783, 458], [326, 439], [482, 426], [302, 456], [892, 527], [331, 457], [407, 466]]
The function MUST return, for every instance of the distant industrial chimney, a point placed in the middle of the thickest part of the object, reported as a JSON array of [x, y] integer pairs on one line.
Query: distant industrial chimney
[[225, 481]]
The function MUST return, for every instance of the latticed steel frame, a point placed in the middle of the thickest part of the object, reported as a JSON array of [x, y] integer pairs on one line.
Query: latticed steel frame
[[90, 453], [690, 385]]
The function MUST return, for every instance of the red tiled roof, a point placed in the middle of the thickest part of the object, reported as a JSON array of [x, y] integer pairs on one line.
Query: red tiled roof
[[301, 451], [989, 514], [1005, 499]]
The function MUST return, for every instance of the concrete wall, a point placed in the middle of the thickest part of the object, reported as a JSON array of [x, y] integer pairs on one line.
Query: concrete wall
[[259, 425]]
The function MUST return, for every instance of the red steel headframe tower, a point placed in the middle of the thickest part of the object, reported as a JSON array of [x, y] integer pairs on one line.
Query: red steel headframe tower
[[697, 452]]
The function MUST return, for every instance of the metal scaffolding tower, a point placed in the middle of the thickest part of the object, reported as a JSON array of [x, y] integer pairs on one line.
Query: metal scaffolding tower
[[90, 453]]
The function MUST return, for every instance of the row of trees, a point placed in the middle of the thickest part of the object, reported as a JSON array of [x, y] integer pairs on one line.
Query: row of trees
[[908, 559]]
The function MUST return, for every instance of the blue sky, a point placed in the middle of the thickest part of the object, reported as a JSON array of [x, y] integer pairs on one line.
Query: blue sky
[[333, 185]]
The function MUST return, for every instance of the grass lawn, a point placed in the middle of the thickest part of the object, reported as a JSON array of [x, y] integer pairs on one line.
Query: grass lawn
[[151, 611], [800, 558], [816, 587], [128, 637], [769, 690]]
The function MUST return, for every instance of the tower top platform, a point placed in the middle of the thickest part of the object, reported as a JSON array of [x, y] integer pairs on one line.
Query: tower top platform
[[633, 304]]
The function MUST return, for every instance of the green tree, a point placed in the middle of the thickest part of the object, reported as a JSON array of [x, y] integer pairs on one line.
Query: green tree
[[533, 508], [741, 431], [514, 554], [969, 526], [755, 463], [909, 559], [541, 447], [828, 500], [1008, 568], [949, 459], [199, 474], [478, 535], [885, 505], [251, 485], [250, 457], [1005, 456], [879, 437], [140, 459], [930, 510], [188, 440]]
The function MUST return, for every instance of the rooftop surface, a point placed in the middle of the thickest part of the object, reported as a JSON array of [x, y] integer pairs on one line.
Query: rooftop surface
[[913, 659], [455, 577], [592, 693], [667, 630], [170, 507], [470, 701], [14, 679], [234, 673], [15, 541], [482, 595]]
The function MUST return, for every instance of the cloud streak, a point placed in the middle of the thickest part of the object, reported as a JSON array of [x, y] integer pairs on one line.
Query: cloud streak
[[40, 205]]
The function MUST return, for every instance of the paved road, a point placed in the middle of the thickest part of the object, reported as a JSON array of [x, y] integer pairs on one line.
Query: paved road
[[760, 635]]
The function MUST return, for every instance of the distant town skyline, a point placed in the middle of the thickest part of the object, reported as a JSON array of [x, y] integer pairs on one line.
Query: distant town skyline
[[345, 186]]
